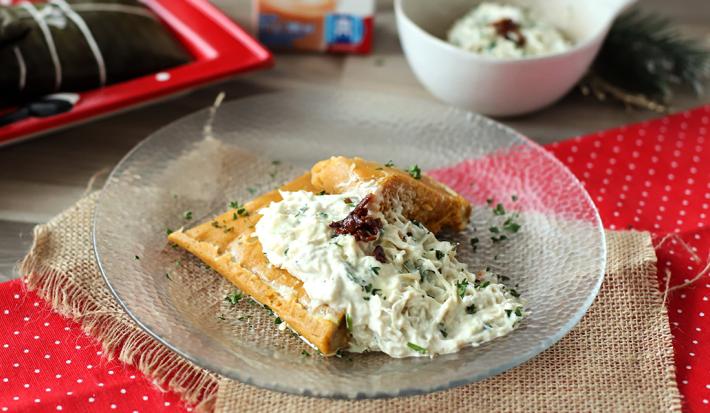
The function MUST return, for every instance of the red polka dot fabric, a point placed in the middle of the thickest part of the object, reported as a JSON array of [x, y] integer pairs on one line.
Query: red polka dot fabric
[[653, 176], [47, 364]]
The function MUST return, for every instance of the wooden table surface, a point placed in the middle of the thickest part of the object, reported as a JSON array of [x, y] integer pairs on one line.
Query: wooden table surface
[[41, 177]]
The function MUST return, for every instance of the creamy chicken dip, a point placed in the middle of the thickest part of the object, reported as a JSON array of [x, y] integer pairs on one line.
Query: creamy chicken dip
[[403, 293], [506, 31]]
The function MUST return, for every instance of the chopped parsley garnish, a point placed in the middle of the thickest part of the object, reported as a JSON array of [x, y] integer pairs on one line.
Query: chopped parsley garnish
[[389, 164], [286, 251], [418, 349], [514, 293], [474, 244], [230, 229], [251, 191], [514, 197], [484, 284], [499, 210], [168, 231], [216, 224], [234, 216], [461, 287], [519, 311], [276, 162], [137, 257], [348, 322], [471, 309], [167, 275], [323, 214], [376, 270], [234, 205], [499, 238], [278, 320], [494, 230], [187, 215], [322, 192], [304, 353], [221, 317], [234, 297], [508, 312], [510, 225], [415, 172], [443, 332], [439, 255], [243, 212]]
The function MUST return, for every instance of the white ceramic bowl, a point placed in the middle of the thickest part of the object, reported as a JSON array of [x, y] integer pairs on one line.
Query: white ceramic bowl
[[493, 86]]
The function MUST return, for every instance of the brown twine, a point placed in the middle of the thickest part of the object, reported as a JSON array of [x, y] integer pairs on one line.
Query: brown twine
[[668, 274]]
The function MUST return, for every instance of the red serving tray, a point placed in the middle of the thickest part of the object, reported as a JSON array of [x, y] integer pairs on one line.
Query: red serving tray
[[219, 48]]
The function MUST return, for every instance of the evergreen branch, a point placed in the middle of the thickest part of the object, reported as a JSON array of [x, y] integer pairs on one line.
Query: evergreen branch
[[645, 55]]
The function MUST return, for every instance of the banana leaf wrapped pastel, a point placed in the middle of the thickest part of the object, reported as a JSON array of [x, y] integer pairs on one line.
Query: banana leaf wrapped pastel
[[76, 45]]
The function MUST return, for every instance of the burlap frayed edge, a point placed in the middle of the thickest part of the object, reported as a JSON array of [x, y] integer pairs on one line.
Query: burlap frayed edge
[[118, 335], [669, 374]]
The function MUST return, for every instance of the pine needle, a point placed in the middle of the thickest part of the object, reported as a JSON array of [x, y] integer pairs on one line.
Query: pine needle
[[646, 57]]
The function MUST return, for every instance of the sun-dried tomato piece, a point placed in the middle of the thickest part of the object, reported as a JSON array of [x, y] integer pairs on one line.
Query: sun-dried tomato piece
[[358, 223]]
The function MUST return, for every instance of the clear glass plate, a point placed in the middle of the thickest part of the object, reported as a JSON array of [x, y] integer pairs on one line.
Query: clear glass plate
[[557, 259]]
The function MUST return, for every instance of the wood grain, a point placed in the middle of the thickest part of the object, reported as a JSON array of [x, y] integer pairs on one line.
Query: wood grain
[[41, 177]]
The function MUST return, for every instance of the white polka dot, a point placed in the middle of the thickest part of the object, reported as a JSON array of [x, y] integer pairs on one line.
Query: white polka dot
[[167, 404], [6, 312], [5, 380], [15, 398], [701, 314], [26, 385], [5, 345], [16, 332], [145, 397], [91, 400], [162, 76], [57, 342], [36, 371], [16, 296], [110, 372], [48, 389], [688, 367], [679, 311], [79, 381], [113, 406], [100, 384], [68, 361], [46, 324], [59, 407], [691, 354], [123, 391], [15, 365], [58, 376], [46, 356], [69, 393], [37, 400]]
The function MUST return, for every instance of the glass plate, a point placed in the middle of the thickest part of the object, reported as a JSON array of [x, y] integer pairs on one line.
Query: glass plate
[[556, 260]]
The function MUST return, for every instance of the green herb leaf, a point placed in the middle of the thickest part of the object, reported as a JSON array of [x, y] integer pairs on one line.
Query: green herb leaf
[[508, 312], [519, 311], [234, 205], [376, 270], [514, 293], [234, 297], [499, 210], [461, 287], [304, 353], [389, 164], [418, 349], [234, 216], [415, 172], [187, 215], [494, 230], [137, 257], [278, 320], [322, 192], [276, 162], [167, 275], [443, 332], [439, 255], [221, 317], [168, 231], [348, 322]]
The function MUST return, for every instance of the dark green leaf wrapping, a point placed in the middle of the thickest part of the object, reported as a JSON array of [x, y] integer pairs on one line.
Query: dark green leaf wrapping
[[132, 45]]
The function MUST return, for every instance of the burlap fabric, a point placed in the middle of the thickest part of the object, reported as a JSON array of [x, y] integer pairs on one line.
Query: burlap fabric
[[619, 358]]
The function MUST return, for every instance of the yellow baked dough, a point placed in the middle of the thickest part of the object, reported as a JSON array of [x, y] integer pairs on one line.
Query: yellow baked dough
[[226, 244]]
